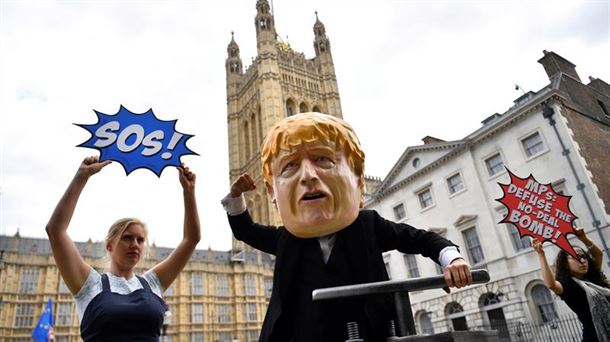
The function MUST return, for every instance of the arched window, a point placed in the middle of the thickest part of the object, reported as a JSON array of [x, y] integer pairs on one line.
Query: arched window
[[316, 109], [303, 108], [455, 313], [246, 140], [425, 323], [491, 304], [290, 108], [543, 300], [259, 129], [253, 136]]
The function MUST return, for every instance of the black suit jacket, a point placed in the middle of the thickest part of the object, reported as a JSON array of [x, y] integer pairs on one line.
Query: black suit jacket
[[367, 238]]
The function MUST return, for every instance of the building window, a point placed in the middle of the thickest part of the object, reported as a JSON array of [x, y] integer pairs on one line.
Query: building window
[[425, 198], [544, 302], [29, 280], [399, 212], [24, 315], [250, 313], [224, 336], [62, 288], [439, 268], [64, 314], [196, 284], [455, 184], [494, 164], [519, 243], [197, 337], [252, 335], [247, 140], [475, 252], [416, 162], [268, 287], [425, 324], [533, 144], [455, 313], [224, 313], [250, 285], [222, 286], [411, 263], [290, 108], [196, 313]]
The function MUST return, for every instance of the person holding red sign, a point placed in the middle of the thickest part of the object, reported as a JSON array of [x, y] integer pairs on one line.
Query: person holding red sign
[[119, 305], [581, 284]]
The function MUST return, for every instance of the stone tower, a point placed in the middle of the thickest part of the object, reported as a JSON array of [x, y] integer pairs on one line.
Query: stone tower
[[279, 83]]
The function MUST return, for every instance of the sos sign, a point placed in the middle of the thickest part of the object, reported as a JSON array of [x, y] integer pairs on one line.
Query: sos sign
[[137, 140]]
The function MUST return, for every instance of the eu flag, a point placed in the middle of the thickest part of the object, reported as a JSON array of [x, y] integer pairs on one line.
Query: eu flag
[[45, 324]]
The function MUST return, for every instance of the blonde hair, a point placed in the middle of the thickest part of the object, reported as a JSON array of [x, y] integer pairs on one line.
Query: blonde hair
[[118, 227], [309, 127]]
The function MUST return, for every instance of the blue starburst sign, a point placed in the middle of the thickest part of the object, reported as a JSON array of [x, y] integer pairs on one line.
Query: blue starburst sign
[[137, 141]]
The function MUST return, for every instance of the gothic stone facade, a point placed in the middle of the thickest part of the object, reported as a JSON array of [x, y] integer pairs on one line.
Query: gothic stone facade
[[279, 83]]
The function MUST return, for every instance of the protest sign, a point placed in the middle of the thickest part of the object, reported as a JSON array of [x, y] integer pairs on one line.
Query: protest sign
[[137, 140], [538, 211]]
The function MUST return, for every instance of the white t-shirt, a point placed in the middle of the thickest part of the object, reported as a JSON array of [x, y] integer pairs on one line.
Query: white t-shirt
[[93, 286]]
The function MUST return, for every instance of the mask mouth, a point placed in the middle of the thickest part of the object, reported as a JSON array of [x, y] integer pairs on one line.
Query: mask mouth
[[313, 195]]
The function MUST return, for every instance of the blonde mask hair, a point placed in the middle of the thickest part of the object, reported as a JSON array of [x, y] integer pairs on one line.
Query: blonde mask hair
[[311, 127]]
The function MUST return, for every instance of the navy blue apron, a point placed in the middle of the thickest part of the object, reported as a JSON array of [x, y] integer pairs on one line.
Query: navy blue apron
[[137, 316]]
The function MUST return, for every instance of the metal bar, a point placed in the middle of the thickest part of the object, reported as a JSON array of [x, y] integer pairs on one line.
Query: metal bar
[[391, 286], [404, 315]]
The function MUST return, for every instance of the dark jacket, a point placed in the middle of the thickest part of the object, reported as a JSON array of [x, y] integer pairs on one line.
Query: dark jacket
[[366, 239]]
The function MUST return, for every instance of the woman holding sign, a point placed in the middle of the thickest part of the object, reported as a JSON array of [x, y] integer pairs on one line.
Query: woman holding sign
[[581, 284], [119, 305]]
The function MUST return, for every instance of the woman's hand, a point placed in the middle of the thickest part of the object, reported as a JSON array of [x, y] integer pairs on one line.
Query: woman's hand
[[537, 246], [596, 253], [187, 178], [90, 166], [581, 235]]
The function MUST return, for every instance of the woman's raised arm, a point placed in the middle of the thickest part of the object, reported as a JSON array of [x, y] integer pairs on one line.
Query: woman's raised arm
[[168, 269], [547, 274], [71, 265]]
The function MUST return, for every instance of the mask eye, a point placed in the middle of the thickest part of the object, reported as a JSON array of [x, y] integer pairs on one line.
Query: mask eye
[[325, 162], [289, 168]]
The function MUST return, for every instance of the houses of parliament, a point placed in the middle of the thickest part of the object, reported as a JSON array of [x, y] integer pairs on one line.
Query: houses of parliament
[[220, 295]]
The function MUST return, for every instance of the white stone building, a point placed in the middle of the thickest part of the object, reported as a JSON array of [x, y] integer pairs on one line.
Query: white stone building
[[451, 187]]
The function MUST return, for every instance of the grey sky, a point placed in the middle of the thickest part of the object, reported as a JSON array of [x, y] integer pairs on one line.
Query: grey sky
[[406, 69]]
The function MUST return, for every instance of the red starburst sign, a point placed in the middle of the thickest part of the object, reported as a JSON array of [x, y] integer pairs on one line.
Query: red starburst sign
[[538, 211]]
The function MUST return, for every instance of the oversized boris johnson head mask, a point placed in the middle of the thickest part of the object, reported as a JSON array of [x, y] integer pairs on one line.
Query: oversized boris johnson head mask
[[314, 171]]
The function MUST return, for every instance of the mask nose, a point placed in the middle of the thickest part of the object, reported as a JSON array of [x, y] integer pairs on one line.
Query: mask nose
[[308, 172]]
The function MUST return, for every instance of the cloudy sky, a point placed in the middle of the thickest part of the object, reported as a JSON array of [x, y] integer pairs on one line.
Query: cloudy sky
[[406, 69]]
